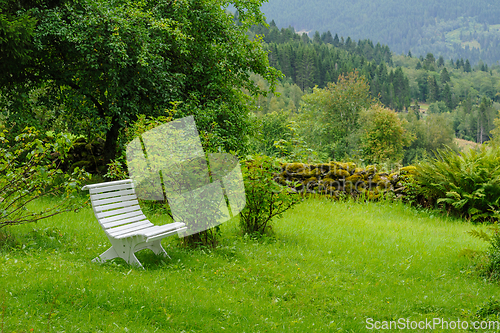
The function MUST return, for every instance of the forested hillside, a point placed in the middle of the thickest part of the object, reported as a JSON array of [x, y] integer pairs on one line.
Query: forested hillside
[[318, 61], [442, 100], [451, 28]]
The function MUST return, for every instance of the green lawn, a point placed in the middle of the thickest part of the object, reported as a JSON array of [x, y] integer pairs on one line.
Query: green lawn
[[329, 267]]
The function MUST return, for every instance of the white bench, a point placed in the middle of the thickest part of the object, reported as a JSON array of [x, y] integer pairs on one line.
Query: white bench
[[119, 214]]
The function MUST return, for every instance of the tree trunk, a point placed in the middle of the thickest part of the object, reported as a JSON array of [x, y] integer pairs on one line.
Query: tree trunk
[[111, 139]]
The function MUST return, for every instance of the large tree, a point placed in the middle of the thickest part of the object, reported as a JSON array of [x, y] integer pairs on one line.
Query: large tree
[[383, 136], [331, 115], [108, 61]]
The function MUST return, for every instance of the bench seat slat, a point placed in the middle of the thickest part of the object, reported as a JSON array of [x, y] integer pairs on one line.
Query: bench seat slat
[[111, 194], [153, 230], [114, 206], [114, 199], [117, 211], [129, 228], [98, 190], [132, 219], [121, 217], [163, 228], [165, 234]]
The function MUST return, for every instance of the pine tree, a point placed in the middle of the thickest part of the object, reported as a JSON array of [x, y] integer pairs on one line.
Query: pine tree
[[336, 41], [305, 38], [329, 39], [446, 96], [433, 94], [467, 67], [440, 61], [445, 77], [317, 38]]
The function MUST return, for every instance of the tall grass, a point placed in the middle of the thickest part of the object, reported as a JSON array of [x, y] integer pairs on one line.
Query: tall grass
[[329, 267]]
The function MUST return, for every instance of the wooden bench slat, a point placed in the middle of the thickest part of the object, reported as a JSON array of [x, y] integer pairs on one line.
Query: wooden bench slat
[[110, 207], [136, 218], [117, 211], [121, 217], [136, 231], [151, 231], [139, 231], [165, 234], [163, 228], [129, 228], [111, 188], [115, 182], [121, 198], [111, 194]]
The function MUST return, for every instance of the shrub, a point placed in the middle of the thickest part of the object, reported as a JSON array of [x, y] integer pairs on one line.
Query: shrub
[[383, 135], [265, 198], [29, 170], [466, 184]]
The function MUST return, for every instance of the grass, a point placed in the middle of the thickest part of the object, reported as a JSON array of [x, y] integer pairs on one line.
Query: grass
[[329, 267], [465, 145]]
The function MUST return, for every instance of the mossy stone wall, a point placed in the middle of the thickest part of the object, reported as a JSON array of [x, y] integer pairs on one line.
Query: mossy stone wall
[[340, 179]]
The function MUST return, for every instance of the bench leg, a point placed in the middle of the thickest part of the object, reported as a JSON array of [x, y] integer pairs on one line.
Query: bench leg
[[127, 253], [107, 255], [133, 261], [158, 249]]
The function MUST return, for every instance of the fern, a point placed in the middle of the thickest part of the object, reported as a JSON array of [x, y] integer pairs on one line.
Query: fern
[[480, 235], [467, 184], [492, 269]]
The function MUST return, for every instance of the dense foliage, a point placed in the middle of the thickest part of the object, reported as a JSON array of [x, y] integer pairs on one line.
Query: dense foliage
[[29, 170], [97, 65], [466, 184], [265, 198], [321, 60], [331, 115], [383, 136]]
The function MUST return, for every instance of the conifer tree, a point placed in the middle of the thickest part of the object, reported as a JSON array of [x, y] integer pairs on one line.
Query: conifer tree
[[467, 67], [445, 77], [336, 41]]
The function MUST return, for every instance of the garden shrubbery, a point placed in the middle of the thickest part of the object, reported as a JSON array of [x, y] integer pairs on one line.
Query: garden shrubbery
[[465, 184], [265, 198], [29, 170]]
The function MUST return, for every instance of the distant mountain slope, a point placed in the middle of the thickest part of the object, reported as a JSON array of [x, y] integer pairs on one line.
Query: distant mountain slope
[[451, 28]]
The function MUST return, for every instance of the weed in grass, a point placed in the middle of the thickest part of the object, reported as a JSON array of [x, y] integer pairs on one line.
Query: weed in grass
[[491, 307]]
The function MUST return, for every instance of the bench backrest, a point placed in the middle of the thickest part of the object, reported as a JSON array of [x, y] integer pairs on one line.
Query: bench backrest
[[115, 204]]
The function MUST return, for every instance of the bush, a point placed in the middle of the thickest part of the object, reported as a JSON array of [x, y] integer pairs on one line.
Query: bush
[[265, 198], [466, 184], [29, 170]]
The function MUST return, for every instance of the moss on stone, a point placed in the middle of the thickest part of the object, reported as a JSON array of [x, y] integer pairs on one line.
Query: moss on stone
[[411, 169], [371, 169], [354, 178], [394, 177], [338, 173], [359, 171], [294, 168]]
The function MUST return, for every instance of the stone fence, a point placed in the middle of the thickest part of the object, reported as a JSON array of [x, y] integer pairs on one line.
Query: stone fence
[[339, 179]]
